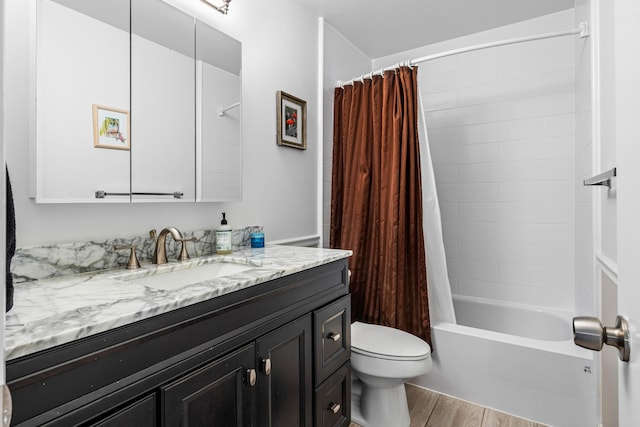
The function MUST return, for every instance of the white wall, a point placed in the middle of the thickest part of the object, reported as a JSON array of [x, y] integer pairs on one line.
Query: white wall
[[501, 130], [279, 183], [342, 61]]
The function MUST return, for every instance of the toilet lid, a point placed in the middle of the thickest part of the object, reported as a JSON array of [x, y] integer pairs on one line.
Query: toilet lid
[[387, 343]]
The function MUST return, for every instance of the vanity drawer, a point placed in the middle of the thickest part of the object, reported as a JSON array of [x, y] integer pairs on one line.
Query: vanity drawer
[[333, 399], [332, 337], [141, 413]]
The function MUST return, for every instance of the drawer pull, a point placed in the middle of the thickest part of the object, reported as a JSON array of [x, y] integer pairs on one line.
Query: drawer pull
[[334, 336], [251, 377], [335, 408], [266, 366]]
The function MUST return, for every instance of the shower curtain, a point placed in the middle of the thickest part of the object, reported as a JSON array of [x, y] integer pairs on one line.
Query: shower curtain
[[440, 302], [376, 200]]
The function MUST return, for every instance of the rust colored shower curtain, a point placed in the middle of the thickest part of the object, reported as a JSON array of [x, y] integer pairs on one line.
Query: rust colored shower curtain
[[376, 200]]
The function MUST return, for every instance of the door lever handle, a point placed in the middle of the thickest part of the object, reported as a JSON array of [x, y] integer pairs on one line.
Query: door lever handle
[[589, 333]]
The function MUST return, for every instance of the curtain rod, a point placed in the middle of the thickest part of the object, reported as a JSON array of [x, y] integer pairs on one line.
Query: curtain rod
[[582, 30]]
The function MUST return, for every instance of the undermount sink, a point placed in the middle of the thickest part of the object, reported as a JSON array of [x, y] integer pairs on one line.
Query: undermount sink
[[176, 279]]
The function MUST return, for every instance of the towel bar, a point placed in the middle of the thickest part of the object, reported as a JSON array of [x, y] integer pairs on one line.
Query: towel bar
[[601, 179], [100, 194]]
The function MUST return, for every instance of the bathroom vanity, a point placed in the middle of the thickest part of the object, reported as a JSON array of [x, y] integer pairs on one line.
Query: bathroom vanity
[[268, 346]]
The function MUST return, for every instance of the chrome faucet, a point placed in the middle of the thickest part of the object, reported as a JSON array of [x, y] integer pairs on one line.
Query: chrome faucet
[[160, 254]]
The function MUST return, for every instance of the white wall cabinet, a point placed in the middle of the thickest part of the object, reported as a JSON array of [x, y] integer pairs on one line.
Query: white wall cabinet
[[159, 137]]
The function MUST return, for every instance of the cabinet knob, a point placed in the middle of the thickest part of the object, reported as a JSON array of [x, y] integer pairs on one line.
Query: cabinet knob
[[335, 408], [266, 366], [251, 377], [333, 336]]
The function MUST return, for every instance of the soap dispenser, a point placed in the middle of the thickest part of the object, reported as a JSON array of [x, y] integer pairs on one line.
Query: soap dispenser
[[223, 237]]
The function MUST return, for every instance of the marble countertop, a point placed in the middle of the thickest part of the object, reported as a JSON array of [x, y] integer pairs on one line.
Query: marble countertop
[[50, 312]]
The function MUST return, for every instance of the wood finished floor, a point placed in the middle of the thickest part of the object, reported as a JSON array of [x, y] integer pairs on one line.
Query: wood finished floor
[[429, 409]]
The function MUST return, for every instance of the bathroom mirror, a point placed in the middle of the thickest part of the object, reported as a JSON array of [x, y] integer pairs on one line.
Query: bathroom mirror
[[162, 103], [130, 111], [218, 113], [82, 66]]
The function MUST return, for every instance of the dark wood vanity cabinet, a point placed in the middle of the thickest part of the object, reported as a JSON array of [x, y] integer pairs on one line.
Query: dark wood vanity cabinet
[[141, 413], [332, 351], [220, 393], [284, 380], [275, 354]]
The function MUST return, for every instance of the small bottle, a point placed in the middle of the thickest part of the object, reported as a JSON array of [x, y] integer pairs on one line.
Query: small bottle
[[223, 237], [257, 240]]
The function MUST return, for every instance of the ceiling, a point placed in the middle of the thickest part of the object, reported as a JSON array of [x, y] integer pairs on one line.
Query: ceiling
[[384, 27]]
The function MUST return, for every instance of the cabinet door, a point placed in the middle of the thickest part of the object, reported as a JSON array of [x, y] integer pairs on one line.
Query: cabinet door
[[162, 103], [83, 97], [219, 394], [141, 413], [284, 379]]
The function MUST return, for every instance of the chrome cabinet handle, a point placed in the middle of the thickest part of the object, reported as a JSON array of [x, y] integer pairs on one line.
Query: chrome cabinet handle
[[266, 366], [335, 408], [334, 336]]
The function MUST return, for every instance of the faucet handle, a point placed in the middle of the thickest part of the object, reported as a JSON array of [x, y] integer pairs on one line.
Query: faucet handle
[[184, 255], [133, 259]]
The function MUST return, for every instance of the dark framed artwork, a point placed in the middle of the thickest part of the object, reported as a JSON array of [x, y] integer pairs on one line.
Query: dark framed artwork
[[292, 121]]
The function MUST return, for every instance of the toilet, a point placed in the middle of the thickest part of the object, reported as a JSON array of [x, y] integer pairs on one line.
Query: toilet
[[382, 360]]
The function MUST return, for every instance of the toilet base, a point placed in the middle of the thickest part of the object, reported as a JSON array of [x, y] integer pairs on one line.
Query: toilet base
[[379, 407]]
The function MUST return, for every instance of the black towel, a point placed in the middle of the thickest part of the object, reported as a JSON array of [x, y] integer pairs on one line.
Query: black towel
[[11, 242]]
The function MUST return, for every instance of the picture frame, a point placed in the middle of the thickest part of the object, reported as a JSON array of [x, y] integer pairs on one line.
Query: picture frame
[[292, 121], [111, 128]]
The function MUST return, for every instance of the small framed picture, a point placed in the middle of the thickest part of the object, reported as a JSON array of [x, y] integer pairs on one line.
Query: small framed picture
[[111, 128], [292, 121]]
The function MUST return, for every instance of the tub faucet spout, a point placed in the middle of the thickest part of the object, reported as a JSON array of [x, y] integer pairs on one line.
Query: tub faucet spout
[[160, 254]]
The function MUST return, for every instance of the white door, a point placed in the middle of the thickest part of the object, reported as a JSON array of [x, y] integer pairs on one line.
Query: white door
[[627, 53], [4, 418]]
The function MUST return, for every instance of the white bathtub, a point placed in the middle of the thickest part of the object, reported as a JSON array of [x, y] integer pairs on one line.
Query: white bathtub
[[523, 362]]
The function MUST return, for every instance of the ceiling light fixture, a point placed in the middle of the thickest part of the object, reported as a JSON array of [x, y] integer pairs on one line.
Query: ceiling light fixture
[[224, 9]]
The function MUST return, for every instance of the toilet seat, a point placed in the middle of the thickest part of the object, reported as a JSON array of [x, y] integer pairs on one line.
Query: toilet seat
[[382, 342]]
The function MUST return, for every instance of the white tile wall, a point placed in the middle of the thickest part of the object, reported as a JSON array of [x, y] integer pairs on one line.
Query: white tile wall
[[501, 126]]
